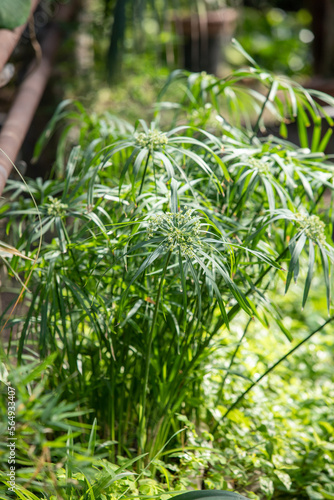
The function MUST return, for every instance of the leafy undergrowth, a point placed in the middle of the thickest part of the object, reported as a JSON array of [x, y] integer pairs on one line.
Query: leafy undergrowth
[[278, 445]]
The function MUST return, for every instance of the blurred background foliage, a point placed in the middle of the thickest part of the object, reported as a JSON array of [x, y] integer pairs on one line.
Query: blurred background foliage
[[280, 442], [280, 41]]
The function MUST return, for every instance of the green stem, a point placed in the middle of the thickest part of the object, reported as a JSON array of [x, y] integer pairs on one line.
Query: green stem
[[270, 369], [142, 433], [144, 174], [257, 125]]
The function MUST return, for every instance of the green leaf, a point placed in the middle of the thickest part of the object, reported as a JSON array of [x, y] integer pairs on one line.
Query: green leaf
[[221, 304], [270, 193], [197, 286], [309, 272], [166, 162], [148, 261], [242, 51], [70, 168], [47, 133], [284, 478], [325, 265], [14, 13], [325, 140], [239, 296], [37, 369], [210, 494], [302, 123], [173, 197], [297, 249], [184, 287], [316, 137], [138, 161], [283, 329], [92, 439]]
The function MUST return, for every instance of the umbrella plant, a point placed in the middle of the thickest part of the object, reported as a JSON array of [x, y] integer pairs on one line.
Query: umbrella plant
[[156, 237]]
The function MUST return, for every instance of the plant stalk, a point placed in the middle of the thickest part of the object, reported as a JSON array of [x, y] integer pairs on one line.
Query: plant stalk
[[142, 433], [144, 174]]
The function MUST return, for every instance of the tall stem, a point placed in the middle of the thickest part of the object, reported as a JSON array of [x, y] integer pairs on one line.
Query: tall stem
[[142, 433]]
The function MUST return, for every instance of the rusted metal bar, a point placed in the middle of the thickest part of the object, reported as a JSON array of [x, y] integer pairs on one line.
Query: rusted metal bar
[[20, 116], [24, 107], [9, 39]]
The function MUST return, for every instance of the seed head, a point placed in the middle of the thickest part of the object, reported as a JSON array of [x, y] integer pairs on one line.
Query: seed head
[[181, 230], [263, 167], [152, 140], [56, 208], [313, 227]]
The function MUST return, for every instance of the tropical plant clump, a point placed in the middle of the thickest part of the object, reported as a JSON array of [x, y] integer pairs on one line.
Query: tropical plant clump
[[159, 243]]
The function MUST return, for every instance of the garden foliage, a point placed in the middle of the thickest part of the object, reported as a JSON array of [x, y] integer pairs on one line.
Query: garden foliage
[[156, 239]]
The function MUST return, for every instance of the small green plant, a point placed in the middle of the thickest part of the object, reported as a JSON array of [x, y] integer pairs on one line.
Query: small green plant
[[159, 237]]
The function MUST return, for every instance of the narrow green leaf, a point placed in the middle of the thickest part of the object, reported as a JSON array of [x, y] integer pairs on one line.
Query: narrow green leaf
[[70, 168], [184, 286], [92, 439], [302, 123], [283, 329], [48, 131], [197, 286], [166, 162], [138, 162], [270, 193], [325, 265], [173, 197], [242, 51], [148, 261], [316, 134], [325, 140], [221, 304], [309, 272], [298, 247]]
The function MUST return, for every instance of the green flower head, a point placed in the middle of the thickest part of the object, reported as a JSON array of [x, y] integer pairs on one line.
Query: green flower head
[[152, 140], [313, 227], [56, 208], [263, 167], [181, 230]]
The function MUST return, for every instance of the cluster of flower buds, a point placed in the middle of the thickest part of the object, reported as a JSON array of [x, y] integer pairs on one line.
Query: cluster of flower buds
[[313, 227], [56, 208], [263, 167], [181, 231], [152, 140]]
